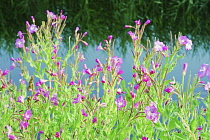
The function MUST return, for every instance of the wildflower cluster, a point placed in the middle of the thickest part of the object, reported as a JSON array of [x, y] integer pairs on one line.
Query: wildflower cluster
[[97, 103]]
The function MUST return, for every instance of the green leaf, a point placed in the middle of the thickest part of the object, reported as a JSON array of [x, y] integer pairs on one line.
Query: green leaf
[[193, 124], [208, 116], [180, 136], [171, 125], [205, 135], [179, 125], [202, 120], [159, 127]]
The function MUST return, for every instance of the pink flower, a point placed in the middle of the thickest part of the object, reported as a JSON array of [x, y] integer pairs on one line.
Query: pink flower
[[77, 29], [133, 95], [127, 26], [84, 113], [144, 138], [51, 15], [12, 137], [103, 79], [138, 22], [99, 47], [27, 115], [132, 35], [57, 135], [40, 82], [119, 91], [136, 86], [169, 89], [63, 17], [184, 68], [6, 71], [32, 28], [78, 99], [19, 43], [120, 102], [23, 125], [110, 37], [159, 46], [207, 86], [151, 112], [94, 120], [204, 71], [20, 99], [145, 78], [147, 22], [20, 34], [136, 105], [186, 42]]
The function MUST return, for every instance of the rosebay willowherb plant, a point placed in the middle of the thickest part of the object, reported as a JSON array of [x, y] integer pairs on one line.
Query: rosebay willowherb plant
[[56, 108]]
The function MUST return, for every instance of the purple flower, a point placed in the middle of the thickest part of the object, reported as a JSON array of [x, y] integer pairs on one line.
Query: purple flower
[[6, 71], [85, 33], [152, 72], [183, 40], [103, 79], [51, 15], [99, 47], [145, 78], [119, 91], [207, 86], [9, 128], [136, 86], [127, 26], [72, 83], [20, 34], [94, 120], [77, 29], [132, 35], [120, 102], [186, 42], [133, 95], [12, 137], [20, 99], [160, 46], [84, 113], [151, 112], [32, 28], [136, 105], [138, 22], [144, 138], [63, 17], [110, 37], [203, 71], [78, 99], [147, 22], [199, 128], [169, 89], [23, 125], [41, 132], [87, 71], [184, 68], [19, 43], [85, 43], [57, 135], [40, 82], [27, 115], [54, 99], [120, 72], [115, 63]]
